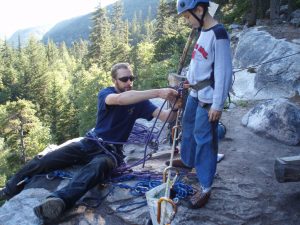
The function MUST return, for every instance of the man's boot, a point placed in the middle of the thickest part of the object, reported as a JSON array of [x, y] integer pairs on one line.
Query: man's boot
[[199, 199], [50, 209], [178, 163]]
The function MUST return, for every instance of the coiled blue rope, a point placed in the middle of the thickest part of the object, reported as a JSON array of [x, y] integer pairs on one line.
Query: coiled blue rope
[[180, 189]]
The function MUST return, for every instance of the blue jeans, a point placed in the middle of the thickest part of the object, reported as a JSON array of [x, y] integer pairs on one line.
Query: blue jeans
[[199, 145]]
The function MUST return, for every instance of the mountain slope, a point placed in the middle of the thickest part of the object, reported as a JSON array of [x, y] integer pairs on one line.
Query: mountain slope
[[25, 34], [72, 30], [76, 28]]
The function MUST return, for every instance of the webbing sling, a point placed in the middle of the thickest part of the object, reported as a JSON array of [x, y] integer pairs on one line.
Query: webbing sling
[[201, 84]]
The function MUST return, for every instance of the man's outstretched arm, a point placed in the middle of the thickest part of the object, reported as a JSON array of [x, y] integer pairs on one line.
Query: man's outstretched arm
[[131, 97]]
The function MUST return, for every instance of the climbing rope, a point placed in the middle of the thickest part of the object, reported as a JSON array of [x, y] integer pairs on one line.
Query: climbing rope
[[141, 134], [259, 64], [146, 180]]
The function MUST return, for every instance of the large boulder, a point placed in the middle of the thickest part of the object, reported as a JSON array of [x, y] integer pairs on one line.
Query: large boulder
[[269, 78], [279, 119]]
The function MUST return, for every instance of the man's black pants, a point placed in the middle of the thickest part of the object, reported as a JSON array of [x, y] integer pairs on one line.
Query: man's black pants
[[97, 168]]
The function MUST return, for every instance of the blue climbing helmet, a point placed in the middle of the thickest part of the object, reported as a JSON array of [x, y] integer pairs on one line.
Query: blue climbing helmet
[[184, 5]]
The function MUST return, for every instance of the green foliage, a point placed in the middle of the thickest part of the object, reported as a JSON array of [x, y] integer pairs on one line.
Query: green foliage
[[120, 53], [5, 171], [235, 10], [33, 79], [93, 81], [145, 53], [167, 46], [23, 132], [242, 103], [100, 37], [154, 75], [79, 50], [8, 74]]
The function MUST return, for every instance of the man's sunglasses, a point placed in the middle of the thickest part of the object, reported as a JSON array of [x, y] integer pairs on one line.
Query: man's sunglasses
[[125, 79]]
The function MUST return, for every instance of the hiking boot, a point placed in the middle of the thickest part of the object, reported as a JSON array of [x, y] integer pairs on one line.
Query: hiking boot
[[199, 199], [51, 209], [178, 163], [3, 195]]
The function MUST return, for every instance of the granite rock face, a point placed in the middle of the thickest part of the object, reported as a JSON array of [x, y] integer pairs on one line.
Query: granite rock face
[[278, 118], [273, 75]]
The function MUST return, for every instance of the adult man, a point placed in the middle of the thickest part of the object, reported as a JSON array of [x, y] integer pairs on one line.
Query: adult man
[[118, 108], [211, 68]]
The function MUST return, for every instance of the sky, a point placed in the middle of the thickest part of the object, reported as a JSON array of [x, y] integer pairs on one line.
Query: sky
[[21, 14]]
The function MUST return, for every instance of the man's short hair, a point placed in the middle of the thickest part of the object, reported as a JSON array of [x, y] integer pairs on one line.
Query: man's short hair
[[116, 67]]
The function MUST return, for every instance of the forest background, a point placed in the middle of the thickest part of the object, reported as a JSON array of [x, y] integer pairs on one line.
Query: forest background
[[48, 92]]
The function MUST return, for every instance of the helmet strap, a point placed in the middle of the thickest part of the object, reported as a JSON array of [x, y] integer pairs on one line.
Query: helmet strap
[[200, 20]]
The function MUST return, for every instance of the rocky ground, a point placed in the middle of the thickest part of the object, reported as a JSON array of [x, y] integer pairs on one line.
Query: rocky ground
[[281, 30], [245, 190]]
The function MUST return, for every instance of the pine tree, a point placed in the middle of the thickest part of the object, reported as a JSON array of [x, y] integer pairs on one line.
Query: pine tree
[[79, 50], [54, 109], [148, 27], [34, 79], [120, 47], [8, 73], [24, 134], [117, 31], [67, 59], [161, 21], [90, 83], [52, 53], [135, 30], [100, 39]]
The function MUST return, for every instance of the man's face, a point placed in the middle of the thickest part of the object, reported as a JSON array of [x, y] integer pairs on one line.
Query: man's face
[[124, 80]]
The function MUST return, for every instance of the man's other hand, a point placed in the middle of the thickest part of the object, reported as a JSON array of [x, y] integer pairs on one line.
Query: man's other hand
[[214, 115]]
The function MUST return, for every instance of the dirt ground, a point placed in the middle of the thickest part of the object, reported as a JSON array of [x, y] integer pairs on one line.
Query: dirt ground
[[281, 30], [246, 190]]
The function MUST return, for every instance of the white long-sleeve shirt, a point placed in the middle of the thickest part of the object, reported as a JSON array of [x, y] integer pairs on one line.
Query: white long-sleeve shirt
[[211, 59]]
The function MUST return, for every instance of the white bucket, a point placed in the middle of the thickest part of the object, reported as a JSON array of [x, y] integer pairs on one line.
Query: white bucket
[[152, 197]]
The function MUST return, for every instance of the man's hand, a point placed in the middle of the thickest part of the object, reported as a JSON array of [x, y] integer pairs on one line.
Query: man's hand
[[168, 94], [178, 103], [214, 115]]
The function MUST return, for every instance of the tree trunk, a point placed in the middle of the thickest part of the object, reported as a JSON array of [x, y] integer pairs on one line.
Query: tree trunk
[[291, 7], [263, 7], [274, 9], [253, 15], [23, 152]]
